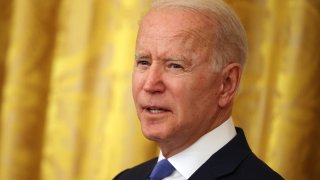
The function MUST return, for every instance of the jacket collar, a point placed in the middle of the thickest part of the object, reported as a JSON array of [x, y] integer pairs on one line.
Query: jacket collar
[[226, 160]]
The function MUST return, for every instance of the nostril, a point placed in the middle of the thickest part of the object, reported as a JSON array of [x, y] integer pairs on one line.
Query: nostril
[[154, 86], [154, 80]]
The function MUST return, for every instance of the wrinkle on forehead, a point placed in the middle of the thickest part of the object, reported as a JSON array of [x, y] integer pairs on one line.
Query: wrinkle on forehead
[[201, 39], [203, 29], [203, 20], [206, 14], [184, 29]]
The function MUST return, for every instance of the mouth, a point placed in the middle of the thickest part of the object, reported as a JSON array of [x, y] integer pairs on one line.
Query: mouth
[[155, 110]]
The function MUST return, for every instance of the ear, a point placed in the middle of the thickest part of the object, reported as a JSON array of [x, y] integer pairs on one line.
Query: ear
[[231, 75]]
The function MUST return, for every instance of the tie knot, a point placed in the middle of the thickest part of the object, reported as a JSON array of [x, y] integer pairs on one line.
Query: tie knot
[[162, 169]]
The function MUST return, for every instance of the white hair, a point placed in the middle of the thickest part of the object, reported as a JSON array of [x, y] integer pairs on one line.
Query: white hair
[[230, 38]]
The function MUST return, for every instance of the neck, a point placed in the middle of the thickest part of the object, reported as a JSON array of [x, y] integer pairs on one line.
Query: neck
[[171, 147]]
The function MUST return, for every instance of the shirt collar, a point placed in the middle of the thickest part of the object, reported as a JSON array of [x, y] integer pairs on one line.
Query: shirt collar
[[192, 158]]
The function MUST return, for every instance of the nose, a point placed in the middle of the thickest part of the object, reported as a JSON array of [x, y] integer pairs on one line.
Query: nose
[[154, 80]]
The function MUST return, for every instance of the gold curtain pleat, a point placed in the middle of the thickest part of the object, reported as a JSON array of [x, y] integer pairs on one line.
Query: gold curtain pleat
[[278, 101], [90, 102], [27, 63], [66, 101], [66, 109]]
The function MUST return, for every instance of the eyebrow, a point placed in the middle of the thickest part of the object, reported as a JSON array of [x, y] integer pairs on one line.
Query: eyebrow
[[141, 55], [182, 58], [176, 58]]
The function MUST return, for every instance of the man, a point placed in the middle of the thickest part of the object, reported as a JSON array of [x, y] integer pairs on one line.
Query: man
[[189, 59]]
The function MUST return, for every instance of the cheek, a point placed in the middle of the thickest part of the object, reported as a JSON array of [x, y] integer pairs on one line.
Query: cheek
[[137, 83], [203, 94], [135, 91], [184, 97]]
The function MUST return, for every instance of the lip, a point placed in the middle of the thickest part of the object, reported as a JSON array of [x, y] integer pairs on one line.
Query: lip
[[155, 109]]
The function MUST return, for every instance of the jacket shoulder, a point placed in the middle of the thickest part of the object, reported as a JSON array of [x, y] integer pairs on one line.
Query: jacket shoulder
[[235, 161], [253, 168], [138, 172]]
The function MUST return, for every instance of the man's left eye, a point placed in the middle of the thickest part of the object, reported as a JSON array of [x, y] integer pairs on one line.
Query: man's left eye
[[175, 66]]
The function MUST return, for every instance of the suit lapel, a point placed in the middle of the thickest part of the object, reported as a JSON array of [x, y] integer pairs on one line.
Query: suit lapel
[[140, 172], [150, 167], [226, 160]]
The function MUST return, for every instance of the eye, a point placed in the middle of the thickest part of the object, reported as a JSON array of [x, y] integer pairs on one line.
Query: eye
[[175, 66], [143, 62]]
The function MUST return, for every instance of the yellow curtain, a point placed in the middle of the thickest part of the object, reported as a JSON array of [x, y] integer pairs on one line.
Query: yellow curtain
[[278, 102], [66, 110]]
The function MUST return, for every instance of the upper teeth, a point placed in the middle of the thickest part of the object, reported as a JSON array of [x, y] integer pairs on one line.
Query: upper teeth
[[155, 110]]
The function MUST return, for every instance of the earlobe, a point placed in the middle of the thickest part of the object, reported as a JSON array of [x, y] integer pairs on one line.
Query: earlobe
[[231, 75]]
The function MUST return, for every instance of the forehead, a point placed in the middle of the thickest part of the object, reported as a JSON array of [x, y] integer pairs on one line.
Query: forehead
[[179, 22]]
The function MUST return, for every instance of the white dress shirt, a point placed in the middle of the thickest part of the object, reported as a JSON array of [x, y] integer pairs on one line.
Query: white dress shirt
[[192, 158]]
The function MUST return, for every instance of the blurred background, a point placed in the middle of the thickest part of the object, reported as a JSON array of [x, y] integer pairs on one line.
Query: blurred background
[[66, 110]]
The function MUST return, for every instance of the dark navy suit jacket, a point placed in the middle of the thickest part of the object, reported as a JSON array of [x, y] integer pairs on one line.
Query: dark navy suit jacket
[[233, 161]]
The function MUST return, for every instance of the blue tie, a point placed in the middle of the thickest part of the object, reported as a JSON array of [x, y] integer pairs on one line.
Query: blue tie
[[161, 170]]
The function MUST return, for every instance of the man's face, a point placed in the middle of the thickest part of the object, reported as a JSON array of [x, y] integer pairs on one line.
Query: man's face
[[175, 88]]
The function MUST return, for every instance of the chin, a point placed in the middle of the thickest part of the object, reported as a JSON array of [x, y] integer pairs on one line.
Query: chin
[[153, 133]]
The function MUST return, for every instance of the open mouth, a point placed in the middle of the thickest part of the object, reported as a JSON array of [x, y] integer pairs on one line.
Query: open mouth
[[156, 110]]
